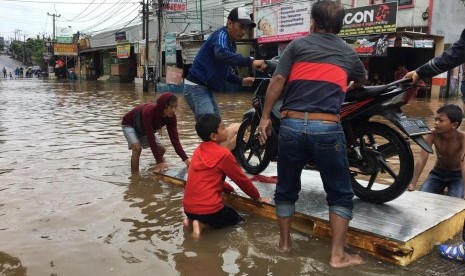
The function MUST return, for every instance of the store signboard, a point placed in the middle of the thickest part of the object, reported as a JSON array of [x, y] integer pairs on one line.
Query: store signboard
[[63, 49], [374, 19], [123, 50], [369, 46], [64, 35], [281, 20]]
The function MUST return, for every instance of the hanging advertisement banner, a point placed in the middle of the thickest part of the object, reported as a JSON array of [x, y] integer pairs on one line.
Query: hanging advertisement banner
[[279, 20], [170, 48], [123, 50], [369, 46], [174, 8], [61, 49], [374, 19]]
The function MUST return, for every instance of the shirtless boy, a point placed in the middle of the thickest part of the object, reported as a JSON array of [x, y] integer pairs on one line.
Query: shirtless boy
[[449, 144]]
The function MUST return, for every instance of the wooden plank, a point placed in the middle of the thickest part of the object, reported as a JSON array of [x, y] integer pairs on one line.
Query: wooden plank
[[400, 231]]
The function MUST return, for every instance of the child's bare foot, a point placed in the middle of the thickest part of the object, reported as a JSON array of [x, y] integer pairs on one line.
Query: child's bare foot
[[186, 222], [347, 260], [411, 187]]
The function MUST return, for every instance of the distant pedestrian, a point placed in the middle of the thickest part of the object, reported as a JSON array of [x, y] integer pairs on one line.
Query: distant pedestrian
[[4, 72], [11, 76]]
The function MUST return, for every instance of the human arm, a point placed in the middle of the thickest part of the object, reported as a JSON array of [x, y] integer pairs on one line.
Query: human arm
[[225, 51], [172, 128], [231, 169], [448, 60], [420, 164], [274, 91]]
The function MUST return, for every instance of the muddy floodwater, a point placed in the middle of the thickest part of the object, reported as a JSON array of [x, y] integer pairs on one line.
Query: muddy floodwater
[[69, 205]]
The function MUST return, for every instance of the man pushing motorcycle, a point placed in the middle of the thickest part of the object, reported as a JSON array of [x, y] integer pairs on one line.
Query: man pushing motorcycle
[[315, 71]]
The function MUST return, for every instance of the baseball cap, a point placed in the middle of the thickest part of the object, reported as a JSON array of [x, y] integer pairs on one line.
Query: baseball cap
[[241, 15]]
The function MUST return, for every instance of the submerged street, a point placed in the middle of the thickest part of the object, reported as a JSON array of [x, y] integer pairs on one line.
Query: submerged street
[[69, 205]]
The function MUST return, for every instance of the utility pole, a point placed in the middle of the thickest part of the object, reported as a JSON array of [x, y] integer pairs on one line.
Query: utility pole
[[145, 28], [24, 53], [160, 37], [53, 15]]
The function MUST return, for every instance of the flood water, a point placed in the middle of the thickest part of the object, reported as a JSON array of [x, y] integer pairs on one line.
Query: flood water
[[69, 205]]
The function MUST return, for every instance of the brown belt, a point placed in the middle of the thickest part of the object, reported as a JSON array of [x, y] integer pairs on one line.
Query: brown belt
[[310, 116]]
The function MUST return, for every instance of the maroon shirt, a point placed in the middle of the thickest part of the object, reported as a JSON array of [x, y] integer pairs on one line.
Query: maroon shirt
[[153, 120]]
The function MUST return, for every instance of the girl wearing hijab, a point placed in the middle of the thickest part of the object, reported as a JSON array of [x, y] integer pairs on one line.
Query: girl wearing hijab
[[139, 127]]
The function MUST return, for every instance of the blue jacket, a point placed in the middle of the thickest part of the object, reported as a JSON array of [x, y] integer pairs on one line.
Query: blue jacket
[[212, 64], [451, 58]]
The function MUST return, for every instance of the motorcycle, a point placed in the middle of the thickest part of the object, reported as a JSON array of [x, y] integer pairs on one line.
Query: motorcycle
[[377, 138]]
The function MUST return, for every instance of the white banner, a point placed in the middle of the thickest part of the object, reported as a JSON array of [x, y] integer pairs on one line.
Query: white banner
[[279, 20]]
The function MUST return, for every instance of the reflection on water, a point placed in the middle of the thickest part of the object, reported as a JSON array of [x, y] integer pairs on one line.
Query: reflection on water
[[67, 197]]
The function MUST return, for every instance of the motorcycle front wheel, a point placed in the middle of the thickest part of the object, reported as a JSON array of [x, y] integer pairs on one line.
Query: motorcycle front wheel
[[252, 156], [386, 167]]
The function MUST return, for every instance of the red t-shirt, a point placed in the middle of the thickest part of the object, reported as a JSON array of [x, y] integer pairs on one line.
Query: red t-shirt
[[204, 185]]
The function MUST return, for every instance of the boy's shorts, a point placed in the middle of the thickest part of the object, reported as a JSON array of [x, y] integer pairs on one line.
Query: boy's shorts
[[224, 217], [132, 137]]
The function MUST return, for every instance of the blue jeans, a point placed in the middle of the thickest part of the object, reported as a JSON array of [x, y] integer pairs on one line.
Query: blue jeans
[[324, 144], [439, 179], [200, 100]]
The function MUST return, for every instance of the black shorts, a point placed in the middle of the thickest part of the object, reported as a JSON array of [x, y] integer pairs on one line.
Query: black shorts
[[224, 217]]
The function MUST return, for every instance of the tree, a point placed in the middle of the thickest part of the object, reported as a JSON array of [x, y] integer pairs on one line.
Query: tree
[[31, 51]]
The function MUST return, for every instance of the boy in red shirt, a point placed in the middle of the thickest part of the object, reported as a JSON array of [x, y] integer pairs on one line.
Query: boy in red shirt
[[211, 163]]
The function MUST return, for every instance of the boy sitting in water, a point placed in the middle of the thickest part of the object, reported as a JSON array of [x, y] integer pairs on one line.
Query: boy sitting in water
[[203, 203], [449, 144]]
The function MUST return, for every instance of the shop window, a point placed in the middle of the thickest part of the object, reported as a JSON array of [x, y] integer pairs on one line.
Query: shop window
[[402, 3]]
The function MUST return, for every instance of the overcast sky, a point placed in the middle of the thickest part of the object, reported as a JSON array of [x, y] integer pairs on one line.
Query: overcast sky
[[85, 16]]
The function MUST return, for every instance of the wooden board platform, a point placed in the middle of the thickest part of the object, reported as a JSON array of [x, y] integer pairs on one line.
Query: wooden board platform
[[399, 231]]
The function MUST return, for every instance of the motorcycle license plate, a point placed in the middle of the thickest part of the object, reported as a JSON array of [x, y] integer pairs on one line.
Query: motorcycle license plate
[[414, 126]]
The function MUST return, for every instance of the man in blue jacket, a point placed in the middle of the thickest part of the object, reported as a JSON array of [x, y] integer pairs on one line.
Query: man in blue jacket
[[212, 65]]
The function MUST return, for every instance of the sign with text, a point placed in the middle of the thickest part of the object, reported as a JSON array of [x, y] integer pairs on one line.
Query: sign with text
[[374, 19], [175, 8], [120, 36], [64, 35], [369, 46], [61, 49], [123, 50], [170, 48], [279, 20]]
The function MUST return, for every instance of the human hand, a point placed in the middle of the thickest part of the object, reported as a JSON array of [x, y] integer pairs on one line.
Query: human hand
[[187, 162], [160, 167], [248, 81], [264, 200], [412, 75], [264, 130], [411, 187], [259, 64]]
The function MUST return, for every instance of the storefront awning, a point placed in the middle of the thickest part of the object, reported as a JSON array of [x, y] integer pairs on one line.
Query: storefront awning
[[95, 49]]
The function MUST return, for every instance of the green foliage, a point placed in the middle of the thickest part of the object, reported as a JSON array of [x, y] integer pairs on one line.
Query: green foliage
[[31, 51]]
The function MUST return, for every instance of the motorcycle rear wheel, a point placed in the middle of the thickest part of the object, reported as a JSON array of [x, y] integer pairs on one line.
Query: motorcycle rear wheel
[[386, 167], [252, 156]]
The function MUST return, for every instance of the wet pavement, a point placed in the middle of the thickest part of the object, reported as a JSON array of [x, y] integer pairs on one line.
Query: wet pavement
[[69, 206]]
